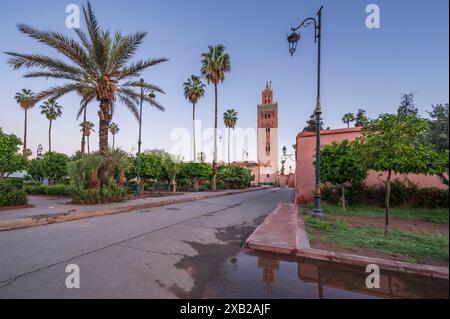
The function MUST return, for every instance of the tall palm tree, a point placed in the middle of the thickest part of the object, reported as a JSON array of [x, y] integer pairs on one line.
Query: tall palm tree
[[52, 110], [87, 127], [114, 128], [24, 99], [96, 63], [348, 118], [230, 119], [87, 96], [215, 63], [194, 89]]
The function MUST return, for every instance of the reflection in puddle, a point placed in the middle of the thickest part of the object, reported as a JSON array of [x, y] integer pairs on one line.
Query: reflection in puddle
[[263, 275]]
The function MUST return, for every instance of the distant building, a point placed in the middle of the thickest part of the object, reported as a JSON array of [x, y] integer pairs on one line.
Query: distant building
[[267, 115]]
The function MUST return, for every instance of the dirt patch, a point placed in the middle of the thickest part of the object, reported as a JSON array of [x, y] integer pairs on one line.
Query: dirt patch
[[203, 265], [416, 226]]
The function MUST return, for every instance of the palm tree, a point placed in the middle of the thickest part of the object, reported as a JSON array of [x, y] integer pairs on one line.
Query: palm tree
[[52, 110], [194, 89], [348, 118], [215, 63], [97, 63], [86, 128], [87, 96], [24, 99], [230, 119], [114, 128]]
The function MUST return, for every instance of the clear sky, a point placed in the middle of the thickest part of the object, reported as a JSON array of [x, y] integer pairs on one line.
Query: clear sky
[[361, 67]]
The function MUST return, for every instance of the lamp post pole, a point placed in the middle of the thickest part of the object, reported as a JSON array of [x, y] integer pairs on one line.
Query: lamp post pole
[[152, 96], [293, 38]]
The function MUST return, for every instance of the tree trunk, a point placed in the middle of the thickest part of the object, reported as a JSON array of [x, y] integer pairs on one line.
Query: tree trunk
[[196, 182], [229, 160], [105, 118], [25, 134], [386, 207], [50, 136], [114, 140], [83, 137], [214, 167], [174, 185], [343, 196], [88, 144], [193, 131]]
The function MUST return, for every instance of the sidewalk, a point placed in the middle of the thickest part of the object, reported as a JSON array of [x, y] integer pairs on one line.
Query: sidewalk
[[48, 210]]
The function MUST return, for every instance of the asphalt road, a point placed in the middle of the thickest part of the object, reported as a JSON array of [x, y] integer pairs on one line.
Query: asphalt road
[[164, 252]]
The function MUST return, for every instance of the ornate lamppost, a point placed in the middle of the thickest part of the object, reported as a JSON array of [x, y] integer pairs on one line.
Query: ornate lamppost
[[151, 96], [293, 39]]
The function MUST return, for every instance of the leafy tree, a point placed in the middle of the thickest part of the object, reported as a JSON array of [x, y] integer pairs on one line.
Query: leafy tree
[[215, 63], [391, 146], [341, 163], [24, 99], [96, 65], [361, 118], [87, 127], [54, 166], [230, 118], [34, 169], [151, 165], [171, 167], [437, 134], [52, 110], [196, 172], [114, 128], [194, 89], [348, 118], [407, 105], [311, 124], [10, 160]]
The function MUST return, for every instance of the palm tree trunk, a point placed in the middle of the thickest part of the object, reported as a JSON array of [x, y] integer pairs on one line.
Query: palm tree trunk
[[105, 119], [229, 160], [386, 207], [114, 140], [214, 166], [88, 145], [25, 134], [50, 136], [83, 135], [193, 131]]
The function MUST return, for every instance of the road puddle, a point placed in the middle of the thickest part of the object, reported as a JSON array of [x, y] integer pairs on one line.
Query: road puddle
[[262, 275]]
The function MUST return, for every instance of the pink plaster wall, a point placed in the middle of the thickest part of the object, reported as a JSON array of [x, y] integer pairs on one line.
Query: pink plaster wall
[[305, 172]]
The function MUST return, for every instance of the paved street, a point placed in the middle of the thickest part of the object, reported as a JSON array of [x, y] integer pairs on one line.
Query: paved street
[[164, 252]]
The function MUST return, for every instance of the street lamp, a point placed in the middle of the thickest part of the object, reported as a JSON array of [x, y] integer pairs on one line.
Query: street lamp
[[151, 96], [293, 39]]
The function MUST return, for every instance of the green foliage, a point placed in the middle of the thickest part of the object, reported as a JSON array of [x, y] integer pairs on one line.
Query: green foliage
[[107, 194], [361, 118], [403, 194], [53, 190], [341, 163], [391, 144], [233, 176], [10, 160], [407, 106], [195, 172], [34, 169], [311, 124], [151, 165], [348, 118], [11, 193], [54, 165], [438, 132]]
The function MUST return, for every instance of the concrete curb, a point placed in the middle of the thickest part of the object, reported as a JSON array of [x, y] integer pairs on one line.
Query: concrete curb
[[302, 249], [32, 221]]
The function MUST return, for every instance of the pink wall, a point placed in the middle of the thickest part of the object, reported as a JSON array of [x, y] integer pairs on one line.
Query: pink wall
[[305, 172]]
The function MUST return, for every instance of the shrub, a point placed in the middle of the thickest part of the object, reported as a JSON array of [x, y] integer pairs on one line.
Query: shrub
[[233, 176], [10, 194], [54, 165], [53, 190], [108, 194], [404, 194]]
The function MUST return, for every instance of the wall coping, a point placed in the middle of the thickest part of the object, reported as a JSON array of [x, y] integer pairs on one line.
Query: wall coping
[[330, 132]]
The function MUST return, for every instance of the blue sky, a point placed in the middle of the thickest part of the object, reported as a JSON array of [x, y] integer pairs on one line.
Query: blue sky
[[361, 67]]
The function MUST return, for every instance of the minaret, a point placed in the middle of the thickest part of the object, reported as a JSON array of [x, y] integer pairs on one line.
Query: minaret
[[268, 136]]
